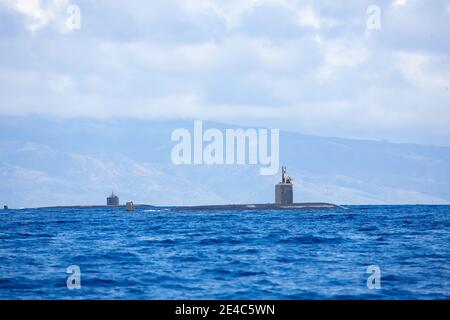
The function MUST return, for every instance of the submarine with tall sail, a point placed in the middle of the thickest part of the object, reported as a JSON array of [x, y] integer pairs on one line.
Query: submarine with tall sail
[[284, 199]]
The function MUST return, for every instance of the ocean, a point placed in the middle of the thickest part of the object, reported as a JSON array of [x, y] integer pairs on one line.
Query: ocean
[[162, 253]]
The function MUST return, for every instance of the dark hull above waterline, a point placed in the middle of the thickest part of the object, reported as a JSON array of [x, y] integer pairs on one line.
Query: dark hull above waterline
[[267, 206], [236, 207]]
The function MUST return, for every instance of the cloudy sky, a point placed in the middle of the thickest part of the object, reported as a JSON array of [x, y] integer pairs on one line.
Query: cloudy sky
[[309, 66]]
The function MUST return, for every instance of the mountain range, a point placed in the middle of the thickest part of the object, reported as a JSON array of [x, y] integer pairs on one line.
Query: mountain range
[[64, 161]]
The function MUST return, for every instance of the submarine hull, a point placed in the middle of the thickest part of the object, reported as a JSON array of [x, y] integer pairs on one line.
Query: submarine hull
[[268, 206]]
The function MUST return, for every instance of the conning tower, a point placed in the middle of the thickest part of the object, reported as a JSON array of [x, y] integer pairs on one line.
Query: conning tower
[[112, 200], [283, 189]]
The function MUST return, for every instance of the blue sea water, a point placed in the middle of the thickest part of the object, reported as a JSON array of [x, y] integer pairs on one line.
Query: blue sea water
[[159, 253]]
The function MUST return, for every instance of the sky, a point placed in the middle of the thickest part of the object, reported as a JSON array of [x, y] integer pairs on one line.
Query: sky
[[307, 66]]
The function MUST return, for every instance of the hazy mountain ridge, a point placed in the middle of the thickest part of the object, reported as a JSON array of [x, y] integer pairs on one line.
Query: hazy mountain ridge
[[60, 162]]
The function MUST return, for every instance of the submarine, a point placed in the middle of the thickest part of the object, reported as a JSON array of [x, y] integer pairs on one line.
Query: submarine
[[284, 199]]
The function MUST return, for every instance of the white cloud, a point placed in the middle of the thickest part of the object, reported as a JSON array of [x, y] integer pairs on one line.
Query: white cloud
[[417, 69], [340, 53], [39, 14], [229, 11], [345, 53], [307, 17], [232, 11], [400, 3], [310, 17]]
